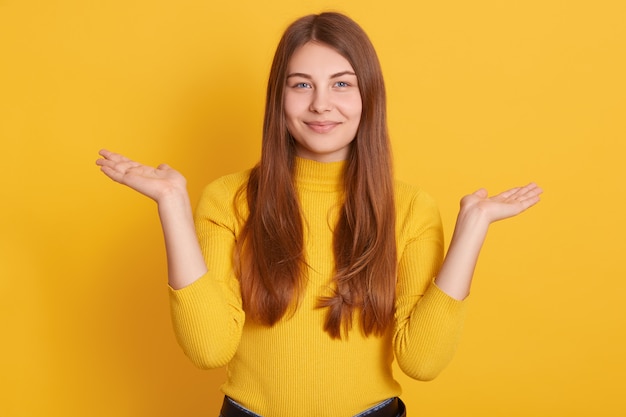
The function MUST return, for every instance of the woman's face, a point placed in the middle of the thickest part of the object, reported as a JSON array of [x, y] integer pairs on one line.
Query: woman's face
[[322, 103]]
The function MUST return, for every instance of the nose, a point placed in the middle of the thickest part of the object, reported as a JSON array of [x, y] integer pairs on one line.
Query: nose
[[320, 101]]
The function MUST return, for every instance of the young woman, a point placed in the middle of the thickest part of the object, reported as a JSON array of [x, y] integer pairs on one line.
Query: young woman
[[309, 274]]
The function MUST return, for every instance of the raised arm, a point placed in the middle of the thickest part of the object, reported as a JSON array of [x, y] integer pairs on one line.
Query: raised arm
[[477, 212], [430, 317], [168, 188]]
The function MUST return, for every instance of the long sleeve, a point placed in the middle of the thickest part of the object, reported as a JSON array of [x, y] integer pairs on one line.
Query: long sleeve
[[428, 322], [294, 367], [207, 315]]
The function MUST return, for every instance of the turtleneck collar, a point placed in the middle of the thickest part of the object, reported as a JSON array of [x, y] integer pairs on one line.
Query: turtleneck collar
[[319, 176]]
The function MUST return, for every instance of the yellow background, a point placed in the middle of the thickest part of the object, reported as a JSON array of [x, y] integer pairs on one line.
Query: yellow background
[[482, 93]]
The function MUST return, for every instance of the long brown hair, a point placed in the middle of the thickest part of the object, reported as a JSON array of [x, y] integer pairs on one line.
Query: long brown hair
[[270, 247]]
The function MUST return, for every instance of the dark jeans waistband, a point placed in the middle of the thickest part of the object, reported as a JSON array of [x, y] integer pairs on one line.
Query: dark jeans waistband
[[392, 407]]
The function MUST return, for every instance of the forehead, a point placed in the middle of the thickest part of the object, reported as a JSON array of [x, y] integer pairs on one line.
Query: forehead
[[317, 58]]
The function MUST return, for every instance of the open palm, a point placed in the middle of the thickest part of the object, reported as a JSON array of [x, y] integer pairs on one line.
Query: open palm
[[155, 183], [504, 205]]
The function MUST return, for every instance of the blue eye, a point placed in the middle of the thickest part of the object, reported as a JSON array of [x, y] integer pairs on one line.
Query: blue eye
[[342, 84], [302, 85]]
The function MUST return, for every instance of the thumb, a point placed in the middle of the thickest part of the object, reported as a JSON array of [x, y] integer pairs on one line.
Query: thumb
[[481, 193]]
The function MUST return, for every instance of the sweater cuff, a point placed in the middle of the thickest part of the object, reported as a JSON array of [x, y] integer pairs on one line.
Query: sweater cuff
[[448, 304]]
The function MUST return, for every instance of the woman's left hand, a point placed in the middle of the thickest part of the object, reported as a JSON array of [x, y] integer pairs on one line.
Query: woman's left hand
[[501, 206]]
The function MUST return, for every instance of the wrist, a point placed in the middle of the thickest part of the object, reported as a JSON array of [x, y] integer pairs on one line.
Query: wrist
[[474, 217], [173, 198]]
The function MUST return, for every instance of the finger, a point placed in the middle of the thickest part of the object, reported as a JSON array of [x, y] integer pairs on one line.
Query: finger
[[121, 166], [104, 152], [529, 202], [108, 154], [530, 191], [504, 195], [112, 173], [528, 187], [112, 156], [519, 193], [529, 197], [535, 189]]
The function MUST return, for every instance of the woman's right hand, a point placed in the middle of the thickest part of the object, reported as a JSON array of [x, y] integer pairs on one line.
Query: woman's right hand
[[156, 183]]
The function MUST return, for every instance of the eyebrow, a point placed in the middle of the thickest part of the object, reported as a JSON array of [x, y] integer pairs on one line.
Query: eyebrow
[[308, 77]]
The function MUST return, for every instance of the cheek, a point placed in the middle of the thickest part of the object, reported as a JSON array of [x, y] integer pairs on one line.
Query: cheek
[[357, 109], [289, 114], [287, 106], [292, 105], [355, 104]]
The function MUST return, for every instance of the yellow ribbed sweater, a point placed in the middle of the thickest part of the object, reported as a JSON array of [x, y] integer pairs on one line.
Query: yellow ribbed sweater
[[294, 368]]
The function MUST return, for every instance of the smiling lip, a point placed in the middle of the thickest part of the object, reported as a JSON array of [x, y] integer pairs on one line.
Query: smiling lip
[[321, 127]]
